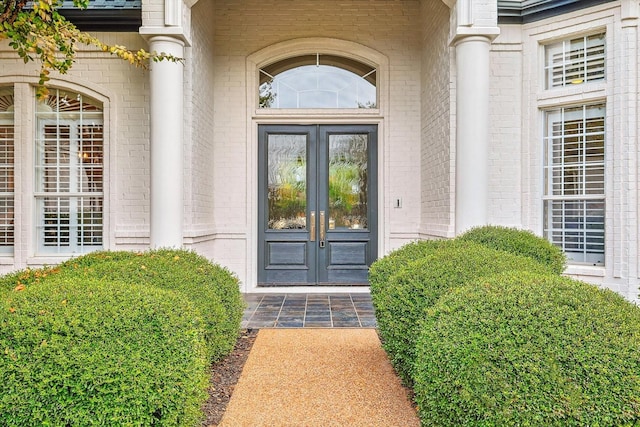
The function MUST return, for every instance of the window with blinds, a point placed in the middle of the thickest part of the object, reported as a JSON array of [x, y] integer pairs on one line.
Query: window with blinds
[[574, 170], [6, 172], [575, 61], [69, 174]]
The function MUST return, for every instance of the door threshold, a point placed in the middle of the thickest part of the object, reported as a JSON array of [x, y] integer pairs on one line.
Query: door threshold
[[314, 285]]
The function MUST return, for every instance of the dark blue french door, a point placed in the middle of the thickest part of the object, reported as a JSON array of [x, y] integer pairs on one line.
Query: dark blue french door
[[317, 204]]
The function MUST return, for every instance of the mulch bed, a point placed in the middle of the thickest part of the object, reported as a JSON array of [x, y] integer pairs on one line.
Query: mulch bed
[[224, 377]]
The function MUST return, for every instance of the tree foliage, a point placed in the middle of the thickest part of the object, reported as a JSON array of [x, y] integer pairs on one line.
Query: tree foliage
[[39, 33]]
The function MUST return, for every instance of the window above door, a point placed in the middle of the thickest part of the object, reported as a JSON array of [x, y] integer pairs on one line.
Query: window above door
[[318, 81]]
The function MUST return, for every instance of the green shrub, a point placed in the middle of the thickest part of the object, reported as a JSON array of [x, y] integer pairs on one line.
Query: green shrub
[[26, 277], [213, 289], [401, 303], [382, 269], [519, 242], [88, 352], [520, 349]]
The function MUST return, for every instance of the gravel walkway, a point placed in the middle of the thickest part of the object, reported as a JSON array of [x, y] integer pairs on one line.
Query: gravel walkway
[[318, 377]]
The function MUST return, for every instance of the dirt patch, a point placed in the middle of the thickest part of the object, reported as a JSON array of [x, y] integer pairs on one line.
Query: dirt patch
[[224, 377]]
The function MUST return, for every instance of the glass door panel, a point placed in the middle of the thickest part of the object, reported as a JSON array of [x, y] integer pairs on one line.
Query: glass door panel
[[348, 182], [287, 182]]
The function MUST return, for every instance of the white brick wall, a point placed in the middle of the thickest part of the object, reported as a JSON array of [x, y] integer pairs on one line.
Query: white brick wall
[[243, 28], [153, 13], [124, 91], [438, 138], [505, 115], [199, 115], [619, 91], [420, 109]]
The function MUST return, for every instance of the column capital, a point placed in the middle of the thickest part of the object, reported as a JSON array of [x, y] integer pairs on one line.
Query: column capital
[[630, 12], [175, 34], [167, 17], [473, 33], [473, 18]]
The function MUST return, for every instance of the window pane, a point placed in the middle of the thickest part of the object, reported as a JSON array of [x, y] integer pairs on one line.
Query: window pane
[[575, 61], [55, 223], [318, 81], [89, 170], [577, 226], [69, 174], [575, 168], [574, 160], [287, 178], [348, 181]]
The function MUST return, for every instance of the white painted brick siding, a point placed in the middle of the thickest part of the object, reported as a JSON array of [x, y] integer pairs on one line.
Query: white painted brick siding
[[152, 13], [127, 177], [505, 184], [199, 115], [437, 139], [242, 28], [417, 135], [619, 92]]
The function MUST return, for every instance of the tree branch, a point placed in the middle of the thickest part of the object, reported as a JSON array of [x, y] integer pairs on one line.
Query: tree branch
[[10, 10]]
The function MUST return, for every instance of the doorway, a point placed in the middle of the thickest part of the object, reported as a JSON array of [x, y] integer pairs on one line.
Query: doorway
[[317, 207]]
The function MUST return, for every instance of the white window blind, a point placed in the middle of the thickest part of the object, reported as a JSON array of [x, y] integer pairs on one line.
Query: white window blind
[[574, 201], [69, 174], [7, 161], [575, 61]]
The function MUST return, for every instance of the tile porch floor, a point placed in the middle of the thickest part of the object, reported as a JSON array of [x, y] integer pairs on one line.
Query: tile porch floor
[[308, 311]]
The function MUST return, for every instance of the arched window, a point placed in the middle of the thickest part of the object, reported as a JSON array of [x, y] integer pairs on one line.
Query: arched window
[[318, 81], [69, 173]]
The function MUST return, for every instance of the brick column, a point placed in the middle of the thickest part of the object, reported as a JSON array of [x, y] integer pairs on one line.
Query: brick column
[[625, 194], [166, 129]]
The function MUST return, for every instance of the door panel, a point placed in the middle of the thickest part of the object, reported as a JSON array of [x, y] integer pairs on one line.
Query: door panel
[[285, 253], [317, 200]]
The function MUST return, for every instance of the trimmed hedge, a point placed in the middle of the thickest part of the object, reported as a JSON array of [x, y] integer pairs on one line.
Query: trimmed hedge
[[214, 290], [89, 352], [401, 303], [25, 277], [382, 269], [523, 349], [519, 242]]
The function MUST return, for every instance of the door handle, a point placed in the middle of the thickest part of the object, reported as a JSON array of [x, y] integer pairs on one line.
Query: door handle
[[322, 229], [312, 226]]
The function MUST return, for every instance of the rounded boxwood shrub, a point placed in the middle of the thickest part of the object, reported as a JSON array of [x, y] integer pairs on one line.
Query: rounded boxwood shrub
[[90, 352], [385, 267], [401, 303], [521, 349], [25, 277], [520, 242], [214, 290]]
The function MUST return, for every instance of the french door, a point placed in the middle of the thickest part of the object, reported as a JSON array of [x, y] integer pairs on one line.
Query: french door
[[317, 204]]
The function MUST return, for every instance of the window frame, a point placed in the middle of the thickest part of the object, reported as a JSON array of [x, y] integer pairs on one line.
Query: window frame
[[567, 96], [549, 67], [350, 68], [75, 196], [582, 228], [7, 118]]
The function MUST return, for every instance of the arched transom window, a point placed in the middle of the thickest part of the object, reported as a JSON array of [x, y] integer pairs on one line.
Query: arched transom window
[[318, 81]]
